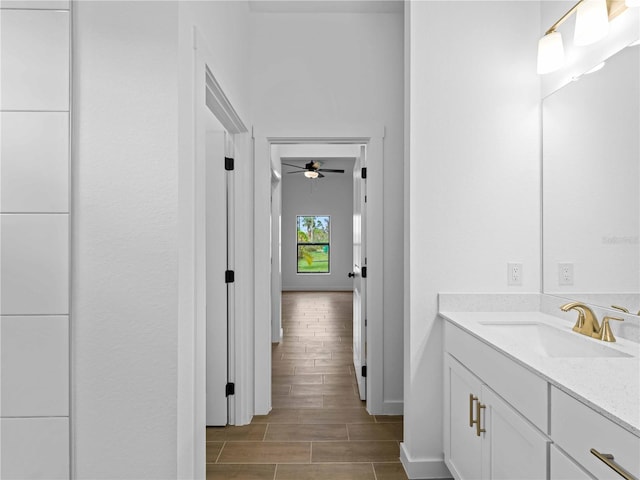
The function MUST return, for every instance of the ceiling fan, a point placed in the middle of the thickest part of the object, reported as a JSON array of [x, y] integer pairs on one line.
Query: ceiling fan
[[312, 169]]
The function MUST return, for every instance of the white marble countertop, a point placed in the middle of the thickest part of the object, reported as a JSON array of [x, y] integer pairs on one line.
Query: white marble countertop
[[610, 385]]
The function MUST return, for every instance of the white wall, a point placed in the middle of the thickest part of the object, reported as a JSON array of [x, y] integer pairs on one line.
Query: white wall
[[225, 26], [326, 71], [134, 91], [474, 200], [125, 239], [333, 196], [34, 229]]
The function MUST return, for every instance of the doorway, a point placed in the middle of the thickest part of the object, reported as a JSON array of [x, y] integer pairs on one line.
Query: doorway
[[371, 356], [321, 195], [210, 116]]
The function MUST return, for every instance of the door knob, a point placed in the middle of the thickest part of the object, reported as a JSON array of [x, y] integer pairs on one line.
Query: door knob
[[351, 274]]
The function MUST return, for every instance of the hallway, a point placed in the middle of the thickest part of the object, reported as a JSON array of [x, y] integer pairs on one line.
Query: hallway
[[318, 428]]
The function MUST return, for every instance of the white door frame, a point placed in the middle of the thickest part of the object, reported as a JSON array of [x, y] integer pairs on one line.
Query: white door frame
[[373, 137], [191, 374]]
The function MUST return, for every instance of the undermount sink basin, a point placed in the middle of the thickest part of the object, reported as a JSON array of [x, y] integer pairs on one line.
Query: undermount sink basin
[[548, 341]]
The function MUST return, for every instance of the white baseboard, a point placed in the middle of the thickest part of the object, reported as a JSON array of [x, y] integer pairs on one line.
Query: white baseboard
[[393, 407], [425, 468], [317, 289]]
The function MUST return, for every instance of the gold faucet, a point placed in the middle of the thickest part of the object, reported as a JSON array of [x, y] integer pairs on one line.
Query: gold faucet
[[587, 323]]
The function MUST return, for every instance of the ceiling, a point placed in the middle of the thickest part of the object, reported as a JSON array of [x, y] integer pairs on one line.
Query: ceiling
[[327, 6]]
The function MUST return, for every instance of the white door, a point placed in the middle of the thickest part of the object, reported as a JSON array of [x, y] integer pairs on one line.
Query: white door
[[512, 449], [216, 286], [358, 275], [464, 450]]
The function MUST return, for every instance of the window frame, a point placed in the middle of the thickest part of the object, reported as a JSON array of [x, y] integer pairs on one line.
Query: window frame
[[327, 243]]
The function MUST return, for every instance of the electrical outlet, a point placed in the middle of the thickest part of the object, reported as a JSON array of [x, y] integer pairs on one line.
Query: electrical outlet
[[565, 274], [514, 273]]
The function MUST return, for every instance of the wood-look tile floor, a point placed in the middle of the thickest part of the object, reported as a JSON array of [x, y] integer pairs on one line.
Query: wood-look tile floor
[[318, 428]]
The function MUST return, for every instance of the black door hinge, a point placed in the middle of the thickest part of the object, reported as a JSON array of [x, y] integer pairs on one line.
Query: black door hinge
[[229, 276], [364, 370], [228, 163], [230, 389], [363, 174], [364, 272]]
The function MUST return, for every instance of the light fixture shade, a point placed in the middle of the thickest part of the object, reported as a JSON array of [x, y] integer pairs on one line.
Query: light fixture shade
[[592, 22], [550, 53], [311, 174], [632, 3]]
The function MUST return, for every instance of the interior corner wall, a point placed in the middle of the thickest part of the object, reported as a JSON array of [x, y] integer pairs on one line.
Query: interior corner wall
[[333, 196], [124, 239], [326, 71], [474, 199]]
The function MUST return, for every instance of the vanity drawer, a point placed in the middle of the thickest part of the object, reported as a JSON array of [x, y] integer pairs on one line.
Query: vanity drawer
[[562, 467], [522, 389], [577, 429]]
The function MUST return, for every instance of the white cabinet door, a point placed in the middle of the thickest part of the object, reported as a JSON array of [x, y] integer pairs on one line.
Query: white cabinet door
[[512, 449], [463, 446], [563, 468]]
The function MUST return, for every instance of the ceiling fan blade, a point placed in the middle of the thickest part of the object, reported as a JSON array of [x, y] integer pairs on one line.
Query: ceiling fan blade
[[320, 175], [299, 171], [330, 170], [294, 166]]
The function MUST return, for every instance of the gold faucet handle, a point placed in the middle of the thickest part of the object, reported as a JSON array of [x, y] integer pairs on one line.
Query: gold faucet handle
[[606, 335], [618, 307]]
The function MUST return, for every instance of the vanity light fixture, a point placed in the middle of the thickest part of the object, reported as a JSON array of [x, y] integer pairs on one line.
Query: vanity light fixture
[[550, 53], [311, 174], [592, 24]]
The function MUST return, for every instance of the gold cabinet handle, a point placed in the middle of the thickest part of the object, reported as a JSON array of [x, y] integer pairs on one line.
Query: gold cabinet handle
[[479, 408], [472, 399], [607, 458]]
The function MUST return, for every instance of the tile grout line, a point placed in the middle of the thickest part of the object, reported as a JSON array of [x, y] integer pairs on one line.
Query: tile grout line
[[224, 444], [375, 477]]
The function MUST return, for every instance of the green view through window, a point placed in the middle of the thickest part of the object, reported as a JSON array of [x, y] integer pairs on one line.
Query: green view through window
[[313, 243]]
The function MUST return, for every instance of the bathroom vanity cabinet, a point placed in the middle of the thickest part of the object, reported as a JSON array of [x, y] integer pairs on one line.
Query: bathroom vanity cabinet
[[505, 421], [485, 437]]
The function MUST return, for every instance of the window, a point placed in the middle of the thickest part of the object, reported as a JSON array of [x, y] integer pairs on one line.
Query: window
[[314, 243]]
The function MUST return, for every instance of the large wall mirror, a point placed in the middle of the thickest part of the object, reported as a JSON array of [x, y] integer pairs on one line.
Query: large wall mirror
[[591, 186]]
